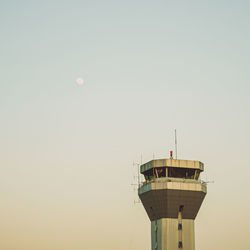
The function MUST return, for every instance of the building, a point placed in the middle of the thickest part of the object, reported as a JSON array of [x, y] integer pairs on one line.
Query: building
[[172, 195]]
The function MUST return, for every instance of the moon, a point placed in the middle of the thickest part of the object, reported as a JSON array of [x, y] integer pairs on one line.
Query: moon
[[79, 81]]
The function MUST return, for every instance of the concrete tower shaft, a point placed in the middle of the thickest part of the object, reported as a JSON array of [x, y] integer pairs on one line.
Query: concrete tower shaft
[[172, 195]]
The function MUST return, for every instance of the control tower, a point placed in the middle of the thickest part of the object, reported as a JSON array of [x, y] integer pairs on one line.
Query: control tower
[[172, 195]]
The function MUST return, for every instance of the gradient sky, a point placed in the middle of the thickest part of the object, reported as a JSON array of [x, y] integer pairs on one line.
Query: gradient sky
[[149, 67]]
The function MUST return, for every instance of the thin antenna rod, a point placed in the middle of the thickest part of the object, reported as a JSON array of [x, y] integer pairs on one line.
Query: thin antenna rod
[[138, 167], [139, 172], [175, 142]]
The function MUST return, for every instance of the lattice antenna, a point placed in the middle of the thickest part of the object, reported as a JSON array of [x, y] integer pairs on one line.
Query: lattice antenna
[[137, 177], [175, 143], [138, 174]]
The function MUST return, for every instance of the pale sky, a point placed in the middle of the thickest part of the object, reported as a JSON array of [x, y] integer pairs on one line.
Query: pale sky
[[148, 67]]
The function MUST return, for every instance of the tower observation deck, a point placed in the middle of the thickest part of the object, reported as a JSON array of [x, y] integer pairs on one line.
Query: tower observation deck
[[172, 195]]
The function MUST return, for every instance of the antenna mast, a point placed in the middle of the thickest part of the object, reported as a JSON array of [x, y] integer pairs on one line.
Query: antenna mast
[[138, 165], [175, 143]]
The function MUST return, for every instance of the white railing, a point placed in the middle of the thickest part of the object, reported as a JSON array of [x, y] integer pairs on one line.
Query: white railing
[[171, 179]]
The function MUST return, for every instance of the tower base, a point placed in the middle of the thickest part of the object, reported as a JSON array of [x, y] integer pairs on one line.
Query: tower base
[[172, 234]]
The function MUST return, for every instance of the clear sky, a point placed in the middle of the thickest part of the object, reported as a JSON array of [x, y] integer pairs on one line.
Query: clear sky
[[149, 67]]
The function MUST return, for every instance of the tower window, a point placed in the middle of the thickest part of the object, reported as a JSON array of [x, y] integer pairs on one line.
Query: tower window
[[180, 244], [179, 226], [181, 208]]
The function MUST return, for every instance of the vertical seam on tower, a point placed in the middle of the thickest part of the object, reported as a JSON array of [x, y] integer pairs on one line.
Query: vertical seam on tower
[[156, 229], [180, 244]]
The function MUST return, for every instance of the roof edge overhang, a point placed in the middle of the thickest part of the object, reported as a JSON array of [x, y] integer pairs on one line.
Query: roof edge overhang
[[174, 163]]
